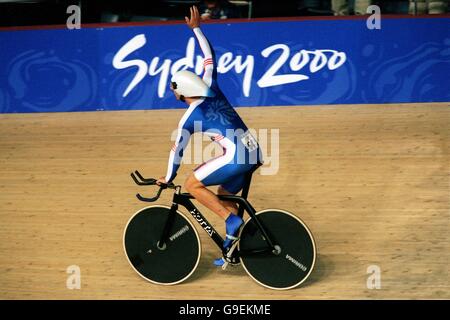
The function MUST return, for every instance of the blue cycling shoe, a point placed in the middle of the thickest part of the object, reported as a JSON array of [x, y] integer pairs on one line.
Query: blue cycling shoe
[[219, 262], [233, 224], [233, 261]]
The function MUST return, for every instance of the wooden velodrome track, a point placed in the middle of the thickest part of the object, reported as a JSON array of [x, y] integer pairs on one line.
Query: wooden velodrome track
[[372, 182]]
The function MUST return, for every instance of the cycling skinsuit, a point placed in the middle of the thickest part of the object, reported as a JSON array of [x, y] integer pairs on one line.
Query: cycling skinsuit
[[216, 118]]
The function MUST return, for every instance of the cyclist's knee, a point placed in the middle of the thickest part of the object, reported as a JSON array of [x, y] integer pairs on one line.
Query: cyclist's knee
[[192, 183], [188, 184]]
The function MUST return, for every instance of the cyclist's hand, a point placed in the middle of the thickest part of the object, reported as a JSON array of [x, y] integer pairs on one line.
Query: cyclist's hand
[[161, 180], [194, 21]]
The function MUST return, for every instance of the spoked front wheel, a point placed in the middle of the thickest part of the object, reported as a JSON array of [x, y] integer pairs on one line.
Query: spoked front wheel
[[295, 256], [169, 263]]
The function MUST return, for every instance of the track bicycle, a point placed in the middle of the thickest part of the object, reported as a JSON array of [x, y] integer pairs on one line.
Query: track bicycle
[[275, 247]]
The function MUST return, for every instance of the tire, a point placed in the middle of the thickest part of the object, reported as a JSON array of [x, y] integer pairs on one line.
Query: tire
[[167, 266], [293, 265]]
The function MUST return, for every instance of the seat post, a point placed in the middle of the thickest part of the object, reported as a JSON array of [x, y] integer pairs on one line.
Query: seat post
[[246, 189], [244, 193]]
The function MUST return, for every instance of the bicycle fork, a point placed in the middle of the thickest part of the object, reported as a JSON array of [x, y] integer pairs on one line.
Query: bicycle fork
[[161, 244]]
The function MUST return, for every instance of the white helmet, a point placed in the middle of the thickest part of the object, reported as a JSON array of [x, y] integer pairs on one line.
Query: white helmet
[[188, 84]]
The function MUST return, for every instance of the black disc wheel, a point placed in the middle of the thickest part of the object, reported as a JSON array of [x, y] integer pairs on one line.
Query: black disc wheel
[[295, 254], [162, 263]]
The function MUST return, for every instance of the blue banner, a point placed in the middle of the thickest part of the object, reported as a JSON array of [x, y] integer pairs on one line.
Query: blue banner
[[281, 63]]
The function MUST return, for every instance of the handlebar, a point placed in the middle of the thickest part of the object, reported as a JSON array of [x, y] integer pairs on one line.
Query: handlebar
[[141, 181]]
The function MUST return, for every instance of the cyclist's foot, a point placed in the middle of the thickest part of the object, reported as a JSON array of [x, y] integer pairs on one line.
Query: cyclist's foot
[[233, 223], [219, 262], [232, 262]]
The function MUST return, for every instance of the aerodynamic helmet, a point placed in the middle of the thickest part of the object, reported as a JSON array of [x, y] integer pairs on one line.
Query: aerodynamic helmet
[[188, 84]]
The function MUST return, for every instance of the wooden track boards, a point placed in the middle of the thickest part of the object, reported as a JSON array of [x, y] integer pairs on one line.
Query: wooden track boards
[[371, 181]]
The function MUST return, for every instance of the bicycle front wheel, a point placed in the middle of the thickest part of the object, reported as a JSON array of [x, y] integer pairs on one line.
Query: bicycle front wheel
[[296, 254], [169, 263]]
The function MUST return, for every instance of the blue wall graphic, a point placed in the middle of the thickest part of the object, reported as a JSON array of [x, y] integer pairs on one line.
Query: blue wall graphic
[[259, 63]]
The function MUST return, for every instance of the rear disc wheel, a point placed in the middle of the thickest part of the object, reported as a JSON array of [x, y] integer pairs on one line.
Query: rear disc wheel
[[295, 255]]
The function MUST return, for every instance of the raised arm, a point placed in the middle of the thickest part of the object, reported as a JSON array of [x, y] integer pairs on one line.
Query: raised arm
[[184, 133], [210, 73]]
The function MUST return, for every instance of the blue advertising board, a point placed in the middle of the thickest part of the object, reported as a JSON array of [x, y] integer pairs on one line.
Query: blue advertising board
[[303, 62]]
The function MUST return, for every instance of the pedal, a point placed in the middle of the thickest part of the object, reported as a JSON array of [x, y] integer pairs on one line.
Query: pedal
[[230, 258], [225, 265], [233, 263]]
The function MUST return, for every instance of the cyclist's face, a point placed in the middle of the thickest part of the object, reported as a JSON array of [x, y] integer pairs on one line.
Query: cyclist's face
[[173, 90]]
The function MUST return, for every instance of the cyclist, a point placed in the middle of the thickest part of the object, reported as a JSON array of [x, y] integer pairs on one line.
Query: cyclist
[[210, 112]]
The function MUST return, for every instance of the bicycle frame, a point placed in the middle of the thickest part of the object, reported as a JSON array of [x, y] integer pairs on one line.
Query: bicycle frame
[[184, 199]]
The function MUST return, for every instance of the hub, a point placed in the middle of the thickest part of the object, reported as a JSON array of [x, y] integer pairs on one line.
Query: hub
[[277, 250], [163, 247]]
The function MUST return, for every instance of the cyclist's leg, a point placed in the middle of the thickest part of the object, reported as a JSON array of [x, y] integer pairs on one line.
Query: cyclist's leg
[[231, 206], [232, 187], [216, 172], [205, 196], [232, 221], [212, 172], [230, 177]]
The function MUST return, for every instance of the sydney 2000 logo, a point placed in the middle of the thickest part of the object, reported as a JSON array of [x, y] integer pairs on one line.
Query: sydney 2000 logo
[[301, 64]]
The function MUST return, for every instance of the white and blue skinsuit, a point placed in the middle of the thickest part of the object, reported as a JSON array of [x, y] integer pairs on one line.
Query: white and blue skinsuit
[[215, 117]]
